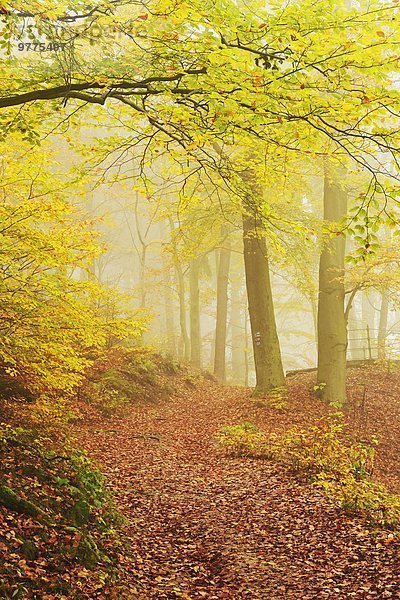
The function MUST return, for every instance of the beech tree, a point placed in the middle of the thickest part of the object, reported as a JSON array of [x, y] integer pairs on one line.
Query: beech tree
[[189, 75], [51, 320], [221, 325], [332, 326]]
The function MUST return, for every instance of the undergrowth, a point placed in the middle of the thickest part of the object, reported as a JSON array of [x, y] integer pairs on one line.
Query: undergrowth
[[122, 376], [56, 517], [342, 471]]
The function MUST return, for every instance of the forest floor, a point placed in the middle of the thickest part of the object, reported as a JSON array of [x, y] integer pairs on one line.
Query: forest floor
[[204, 525]]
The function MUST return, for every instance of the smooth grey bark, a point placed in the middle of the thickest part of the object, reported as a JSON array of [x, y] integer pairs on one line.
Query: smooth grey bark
[[355, 337], [222, 308], [142, 251], [267, 354], [266, 347], [246, 350], [169, 312], [195, 334], [237, 333], [368, 311], [383, 320], [180, 281], [182, 312], [332, 330], [169, 308]]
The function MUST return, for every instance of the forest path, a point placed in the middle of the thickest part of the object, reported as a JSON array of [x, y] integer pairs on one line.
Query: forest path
[[202, 525]]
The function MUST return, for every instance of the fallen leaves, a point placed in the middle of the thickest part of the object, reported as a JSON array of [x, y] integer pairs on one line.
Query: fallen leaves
[[201, 525]]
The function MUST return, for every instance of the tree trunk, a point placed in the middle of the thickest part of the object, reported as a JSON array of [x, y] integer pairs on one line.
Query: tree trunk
[[222, 309], [368, 322], [267, 355], [169, 313], [180, 280], [169, 308], [195, 335], [246, 350], [382, 331], [182, 312], [142, 253], [332, 330], [355, 339], [237, 331]]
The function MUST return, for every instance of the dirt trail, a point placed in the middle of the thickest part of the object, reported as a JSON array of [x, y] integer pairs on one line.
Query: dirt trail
[[205, 526]]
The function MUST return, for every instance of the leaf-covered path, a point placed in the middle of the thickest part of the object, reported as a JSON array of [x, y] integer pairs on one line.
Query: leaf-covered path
[[202, 525]]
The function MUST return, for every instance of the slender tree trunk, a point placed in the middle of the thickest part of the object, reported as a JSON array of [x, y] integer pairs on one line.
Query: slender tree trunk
[[142, 254], [267, 355], [237, 333], [215, 285], [222, 309], [355, 341], [169, 308], [368, 322], [182, 311], [180, 281], [195, 335], [314, 313], [246, 350], [383, 319], [332, 331], [143, 276], [169, 313]]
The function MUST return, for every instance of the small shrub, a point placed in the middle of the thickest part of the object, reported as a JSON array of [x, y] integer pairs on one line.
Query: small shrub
[[368, 498], [319, 389], [242, 440], [193, 379], [276, 399], [50, 415], [171, 365], [109, 400], [342, 471], [320, 449]]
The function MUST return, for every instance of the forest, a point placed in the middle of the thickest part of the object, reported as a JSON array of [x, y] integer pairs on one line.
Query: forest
[[199, 299]]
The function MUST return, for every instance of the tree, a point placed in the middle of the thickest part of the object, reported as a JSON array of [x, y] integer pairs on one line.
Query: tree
[[267, 355], [51, 321], [194, 306], [383, 321], [280, 74], [332, 326], [222, 305], [286, 77]]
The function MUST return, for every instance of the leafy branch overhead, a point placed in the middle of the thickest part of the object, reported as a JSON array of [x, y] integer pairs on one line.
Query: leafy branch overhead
[[197, 72]]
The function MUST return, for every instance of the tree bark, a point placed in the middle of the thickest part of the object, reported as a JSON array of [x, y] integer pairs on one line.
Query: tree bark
[[180, 280], [168, 288], [182, 312], [382, 331], [222, 308], [195, 335], [267, 354], [169, 313], [246, 350], [237, 333], [332, 330], [355, 340], [368, 311]]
